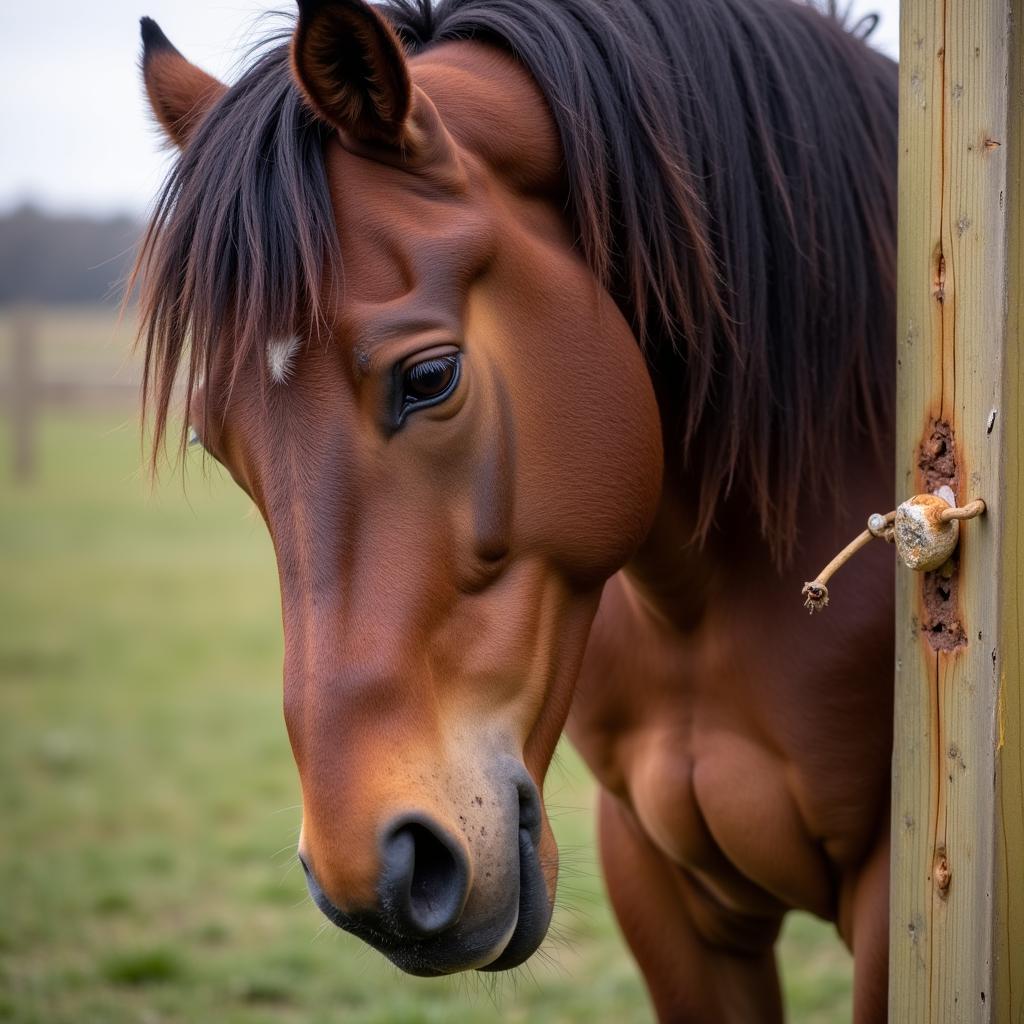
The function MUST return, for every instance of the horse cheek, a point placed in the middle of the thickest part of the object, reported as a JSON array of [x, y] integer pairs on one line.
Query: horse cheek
[[607, 458], [586, 427]]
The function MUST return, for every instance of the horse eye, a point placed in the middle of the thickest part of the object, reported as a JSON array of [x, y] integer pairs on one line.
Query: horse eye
[[429, 381]]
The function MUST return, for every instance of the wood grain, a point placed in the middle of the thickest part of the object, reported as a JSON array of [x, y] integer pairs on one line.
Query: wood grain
[[957, 905]]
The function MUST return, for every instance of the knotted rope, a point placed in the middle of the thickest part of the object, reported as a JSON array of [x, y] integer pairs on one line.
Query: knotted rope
[[925, 529]]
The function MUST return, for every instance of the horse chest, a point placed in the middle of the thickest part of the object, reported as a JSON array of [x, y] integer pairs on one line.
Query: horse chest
[[667, 734], [721, 807]]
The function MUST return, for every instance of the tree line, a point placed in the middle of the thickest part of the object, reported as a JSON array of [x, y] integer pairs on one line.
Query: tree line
[[57, 259]]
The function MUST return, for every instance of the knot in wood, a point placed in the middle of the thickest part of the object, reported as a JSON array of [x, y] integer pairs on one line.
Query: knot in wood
[[941, 874]]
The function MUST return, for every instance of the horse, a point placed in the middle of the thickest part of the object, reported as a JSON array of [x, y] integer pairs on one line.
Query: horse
[[548, 338]]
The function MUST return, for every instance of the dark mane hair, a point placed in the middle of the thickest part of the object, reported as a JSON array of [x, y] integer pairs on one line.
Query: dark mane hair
[[240, 237], [731, 172]]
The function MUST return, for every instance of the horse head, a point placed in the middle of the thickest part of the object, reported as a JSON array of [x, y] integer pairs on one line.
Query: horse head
[[449, 430]]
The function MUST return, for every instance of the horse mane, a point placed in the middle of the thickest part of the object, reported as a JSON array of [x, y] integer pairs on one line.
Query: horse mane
[[731, 179], [240, 239]]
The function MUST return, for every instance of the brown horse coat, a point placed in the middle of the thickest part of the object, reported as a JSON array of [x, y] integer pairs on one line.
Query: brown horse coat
[[413, 263]]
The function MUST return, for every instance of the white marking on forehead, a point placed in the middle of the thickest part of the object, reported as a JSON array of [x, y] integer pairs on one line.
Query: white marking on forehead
[[279, 356]]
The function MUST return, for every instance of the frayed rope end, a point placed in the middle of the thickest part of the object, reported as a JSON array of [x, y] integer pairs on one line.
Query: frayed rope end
[[815, 596]]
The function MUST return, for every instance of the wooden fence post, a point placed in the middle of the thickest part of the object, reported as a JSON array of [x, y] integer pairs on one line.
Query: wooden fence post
[[22, 394], [957, 902]]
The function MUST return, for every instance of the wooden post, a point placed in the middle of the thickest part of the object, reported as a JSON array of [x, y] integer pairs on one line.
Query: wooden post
[[957, 902], [22, 394]]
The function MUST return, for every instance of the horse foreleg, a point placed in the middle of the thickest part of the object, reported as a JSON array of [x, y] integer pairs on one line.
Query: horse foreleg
[[690, 980], [870, 939]]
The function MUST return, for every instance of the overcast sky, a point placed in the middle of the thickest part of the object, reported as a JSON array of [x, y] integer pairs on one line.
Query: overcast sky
[[74, 131]]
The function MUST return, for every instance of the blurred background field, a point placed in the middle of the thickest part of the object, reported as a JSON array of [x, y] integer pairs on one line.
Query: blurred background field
[[148, 801]]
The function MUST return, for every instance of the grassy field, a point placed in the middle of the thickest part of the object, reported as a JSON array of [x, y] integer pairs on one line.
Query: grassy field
[[149, 802]]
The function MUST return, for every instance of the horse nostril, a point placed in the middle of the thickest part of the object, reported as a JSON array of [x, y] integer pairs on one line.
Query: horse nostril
[[425, 878]]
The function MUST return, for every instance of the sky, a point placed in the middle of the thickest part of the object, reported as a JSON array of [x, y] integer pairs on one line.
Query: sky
[[75, 133]]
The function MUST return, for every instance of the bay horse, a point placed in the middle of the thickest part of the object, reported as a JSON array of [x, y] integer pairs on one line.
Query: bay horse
[[548, 337]]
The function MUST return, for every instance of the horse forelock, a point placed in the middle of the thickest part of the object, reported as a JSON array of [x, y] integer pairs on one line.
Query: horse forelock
[[731, 173], [240, 246]]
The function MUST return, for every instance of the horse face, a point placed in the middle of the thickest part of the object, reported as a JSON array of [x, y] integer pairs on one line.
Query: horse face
[[448, 477], [449, 472]]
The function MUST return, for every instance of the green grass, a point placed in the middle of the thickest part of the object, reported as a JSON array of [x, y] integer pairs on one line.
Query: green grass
[[148, 800]]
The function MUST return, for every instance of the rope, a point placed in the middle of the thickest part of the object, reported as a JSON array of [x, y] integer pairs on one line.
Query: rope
[[815, 593]]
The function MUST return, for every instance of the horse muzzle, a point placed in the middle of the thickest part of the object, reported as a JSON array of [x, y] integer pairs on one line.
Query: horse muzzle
[[444, 906]]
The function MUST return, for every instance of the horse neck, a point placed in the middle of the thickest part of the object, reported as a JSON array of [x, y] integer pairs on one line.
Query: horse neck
[[679, 575], [493, 108]]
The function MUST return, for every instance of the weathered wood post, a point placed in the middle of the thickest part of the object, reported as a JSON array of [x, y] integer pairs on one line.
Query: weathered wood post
[[957, 905]]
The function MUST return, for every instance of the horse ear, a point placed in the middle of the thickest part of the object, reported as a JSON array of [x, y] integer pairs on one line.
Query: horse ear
[[179, 93], [351, 66]]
